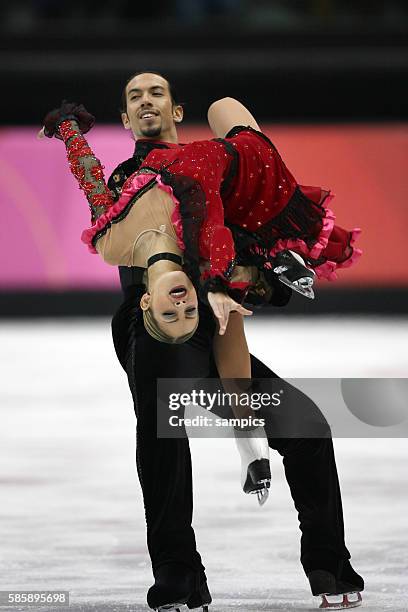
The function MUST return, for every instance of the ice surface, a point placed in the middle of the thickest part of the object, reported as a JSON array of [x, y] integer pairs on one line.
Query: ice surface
[[71, 513]]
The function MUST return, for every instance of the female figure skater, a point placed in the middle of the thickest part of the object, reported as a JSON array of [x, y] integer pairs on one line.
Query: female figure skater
[[219, 203]]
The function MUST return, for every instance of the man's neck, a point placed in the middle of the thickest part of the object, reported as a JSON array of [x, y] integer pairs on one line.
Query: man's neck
[[161, 138], [143, 146], [169, 136]]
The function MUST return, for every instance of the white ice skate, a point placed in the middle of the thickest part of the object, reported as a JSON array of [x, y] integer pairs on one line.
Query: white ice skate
[[337, 594], [292, 271], [255, 469], [343, 601], [180, 607]]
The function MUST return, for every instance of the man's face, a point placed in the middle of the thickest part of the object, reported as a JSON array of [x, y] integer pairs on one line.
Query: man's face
[[150, 110]]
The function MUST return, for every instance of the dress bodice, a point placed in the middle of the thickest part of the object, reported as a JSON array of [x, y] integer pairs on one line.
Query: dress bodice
[[148, 230]]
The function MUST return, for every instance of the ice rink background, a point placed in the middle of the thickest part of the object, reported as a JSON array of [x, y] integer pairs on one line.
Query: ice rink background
[[71, 513]]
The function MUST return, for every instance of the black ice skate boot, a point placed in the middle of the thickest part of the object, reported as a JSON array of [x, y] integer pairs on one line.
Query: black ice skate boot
[[337, 593], [255, 468], [176, 585], [291, 271], [201, 598]]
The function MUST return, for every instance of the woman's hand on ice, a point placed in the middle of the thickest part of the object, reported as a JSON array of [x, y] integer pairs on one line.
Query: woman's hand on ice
[[222, 305]]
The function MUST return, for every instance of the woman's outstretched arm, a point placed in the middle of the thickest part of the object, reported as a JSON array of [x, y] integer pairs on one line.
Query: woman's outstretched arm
[[233, 361], [231, 351], [69, 123], [226, 113], [87, 169]]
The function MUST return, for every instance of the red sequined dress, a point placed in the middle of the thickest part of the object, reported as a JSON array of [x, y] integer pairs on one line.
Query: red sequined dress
[[235, 202]]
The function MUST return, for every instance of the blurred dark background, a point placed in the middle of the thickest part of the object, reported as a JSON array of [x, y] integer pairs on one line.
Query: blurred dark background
[[315, 63], [315, 60]]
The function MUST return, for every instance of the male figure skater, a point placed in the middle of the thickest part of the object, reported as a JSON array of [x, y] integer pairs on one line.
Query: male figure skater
[[151, 112]]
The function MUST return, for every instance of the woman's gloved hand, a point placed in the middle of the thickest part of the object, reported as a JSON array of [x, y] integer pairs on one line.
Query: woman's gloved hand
[[67, 110]]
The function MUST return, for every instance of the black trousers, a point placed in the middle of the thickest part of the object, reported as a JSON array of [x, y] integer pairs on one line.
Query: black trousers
[[164, 465]]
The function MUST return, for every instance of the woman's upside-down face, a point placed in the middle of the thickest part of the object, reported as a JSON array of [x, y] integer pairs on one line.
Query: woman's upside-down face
[[173, 303]]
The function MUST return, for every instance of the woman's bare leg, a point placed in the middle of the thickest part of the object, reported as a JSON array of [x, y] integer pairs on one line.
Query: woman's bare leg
[[226, 113]]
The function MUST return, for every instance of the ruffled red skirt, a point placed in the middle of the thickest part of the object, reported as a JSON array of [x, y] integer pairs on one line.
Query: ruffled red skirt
[[265, 199]]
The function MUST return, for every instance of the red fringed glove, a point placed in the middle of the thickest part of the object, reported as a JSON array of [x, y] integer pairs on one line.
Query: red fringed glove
[[67, 110]]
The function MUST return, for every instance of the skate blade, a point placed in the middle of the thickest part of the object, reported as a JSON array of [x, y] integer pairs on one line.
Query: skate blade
[[341, 602], [306, 291], [262, 494], [175, 607], [203, 608]]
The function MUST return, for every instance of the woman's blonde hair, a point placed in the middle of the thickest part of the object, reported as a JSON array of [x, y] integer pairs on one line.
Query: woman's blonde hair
[[154, 330]]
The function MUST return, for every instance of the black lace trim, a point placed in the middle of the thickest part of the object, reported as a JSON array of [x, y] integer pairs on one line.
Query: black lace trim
[[193, 211], [233, 168], [247, 128], [300, 218], [294, 221], [123, 213], [244, 240], [214, 284], [121, 173], [128, 167]]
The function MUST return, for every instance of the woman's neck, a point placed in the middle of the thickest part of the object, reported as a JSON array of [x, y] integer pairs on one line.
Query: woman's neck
[[152, 242], [161, 243], [159, 268]]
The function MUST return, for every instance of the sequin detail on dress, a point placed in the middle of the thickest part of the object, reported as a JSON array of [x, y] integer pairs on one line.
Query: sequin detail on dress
[[87, 169]]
